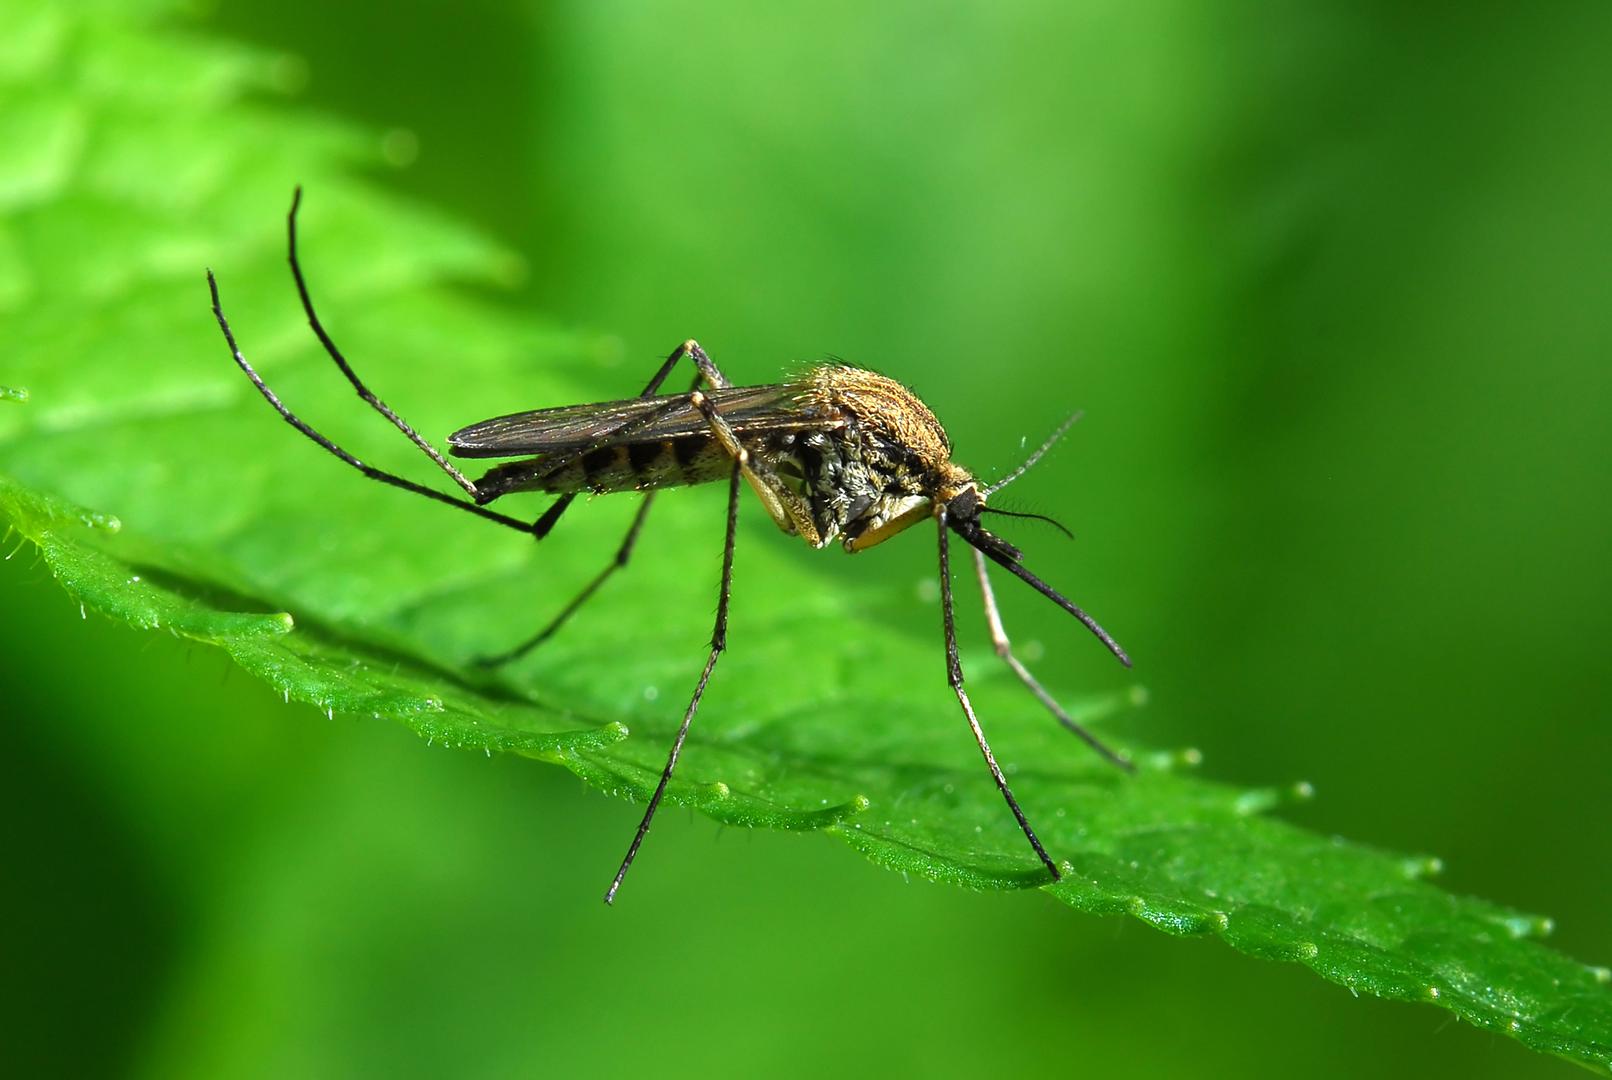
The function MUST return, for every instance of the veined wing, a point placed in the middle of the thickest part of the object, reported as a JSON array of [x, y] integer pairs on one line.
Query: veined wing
[[748, 409]]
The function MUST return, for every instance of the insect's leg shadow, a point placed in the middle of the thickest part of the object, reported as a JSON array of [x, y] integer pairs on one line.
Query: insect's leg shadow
[[954, 675], [706, 372], [719, 642], [1004, 649]]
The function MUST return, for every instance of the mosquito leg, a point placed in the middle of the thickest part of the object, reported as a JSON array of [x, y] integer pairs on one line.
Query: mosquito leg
[[713, 375], [346, 369], [301, 425], [954, 675], [1004, 649], [719, 642]]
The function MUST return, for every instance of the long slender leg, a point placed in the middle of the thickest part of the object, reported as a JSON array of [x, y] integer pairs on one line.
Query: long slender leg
[[346, 369], [707, 371], [1004, 649], [719, 642], [537, 529], [368, 470], [954, 674]]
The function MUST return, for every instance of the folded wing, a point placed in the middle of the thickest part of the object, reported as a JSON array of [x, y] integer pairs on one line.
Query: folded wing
[[747, 409]]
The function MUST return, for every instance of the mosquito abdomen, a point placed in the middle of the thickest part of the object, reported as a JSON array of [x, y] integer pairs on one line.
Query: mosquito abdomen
[[627, 466]]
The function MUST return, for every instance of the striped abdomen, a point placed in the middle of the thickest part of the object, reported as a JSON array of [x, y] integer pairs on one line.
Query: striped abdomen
[[628, 466]]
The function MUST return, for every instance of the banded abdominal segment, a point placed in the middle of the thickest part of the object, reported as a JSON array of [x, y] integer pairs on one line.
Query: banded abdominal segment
[[634, 466]]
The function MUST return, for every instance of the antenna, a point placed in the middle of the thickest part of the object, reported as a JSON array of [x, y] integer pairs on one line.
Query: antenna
[[1035, 457]]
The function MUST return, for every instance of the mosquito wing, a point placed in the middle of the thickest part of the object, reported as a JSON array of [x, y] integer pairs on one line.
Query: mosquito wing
[[747, 409]]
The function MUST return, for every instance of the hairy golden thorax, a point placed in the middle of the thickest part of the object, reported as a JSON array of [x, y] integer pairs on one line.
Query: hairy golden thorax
[[877, 463]]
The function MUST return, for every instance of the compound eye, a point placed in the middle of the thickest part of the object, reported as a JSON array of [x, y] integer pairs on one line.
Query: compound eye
[[965, 505]]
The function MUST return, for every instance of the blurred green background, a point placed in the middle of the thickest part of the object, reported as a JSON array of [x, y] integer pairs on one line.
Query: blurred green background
[[1329, 281]]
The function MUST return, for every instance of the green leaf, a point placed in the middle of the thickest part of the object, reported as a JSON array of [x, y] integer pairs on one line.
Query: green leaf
[[141, 161]]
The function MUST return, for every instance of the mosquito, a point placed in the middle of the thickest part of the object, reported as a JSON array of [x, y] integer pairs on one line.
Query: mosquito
[[838, 453]]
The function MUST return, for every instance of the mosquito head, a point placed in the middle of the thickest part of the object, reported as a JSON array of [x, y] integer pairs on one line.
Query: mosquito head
[[963, 513]]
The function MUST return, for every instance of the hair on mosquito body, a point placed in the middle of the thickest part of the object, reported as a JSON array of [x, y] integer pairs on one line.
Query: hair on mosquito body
[[835, 453]]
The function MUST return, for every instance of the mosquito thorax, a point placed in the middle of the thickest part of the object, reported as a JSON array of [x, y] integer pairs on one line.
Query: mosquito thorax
[[875, 466], [883, 408]]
